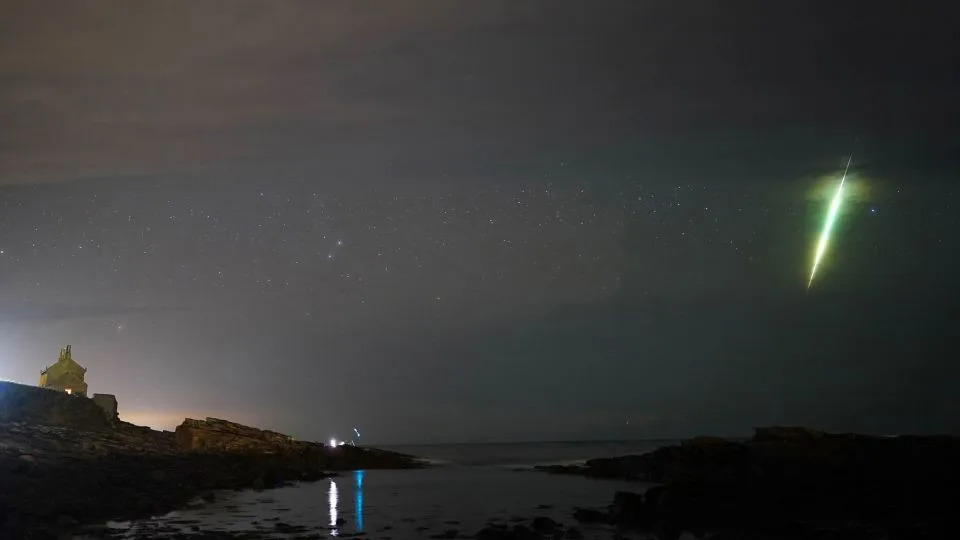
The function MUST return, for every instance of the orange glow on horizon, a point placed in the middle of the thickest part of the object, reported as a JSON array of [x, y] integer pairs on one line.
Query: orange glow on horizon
[[168, 420]]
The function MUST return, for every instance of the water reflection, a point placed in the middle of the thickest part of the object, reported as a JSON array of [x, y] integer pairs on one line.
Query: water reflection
[[333, 496], [358, 499]]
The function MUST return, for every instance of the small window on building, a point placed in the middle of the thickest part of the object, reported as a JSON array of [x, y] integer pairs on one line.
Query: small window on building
[[68, 390]]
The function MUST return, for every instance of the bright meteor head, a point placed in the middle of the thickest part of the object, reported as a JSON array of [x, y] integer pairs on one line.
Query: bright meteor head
[[828, 226]]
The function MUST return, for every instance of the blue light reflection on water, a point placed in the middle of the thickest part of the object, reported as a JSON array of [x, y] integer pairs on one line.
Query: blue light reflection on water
[[333, 499], [358, 500]]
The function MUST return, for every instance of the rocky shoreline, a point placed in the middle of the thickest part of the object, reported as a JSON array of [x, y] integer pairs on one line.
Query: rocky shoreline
[[56, 478], [65, 466], [787, 483]]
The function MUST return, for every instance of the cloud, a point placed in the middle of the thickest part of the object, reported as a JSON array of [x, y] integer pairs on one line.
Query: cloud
[[102, 89]]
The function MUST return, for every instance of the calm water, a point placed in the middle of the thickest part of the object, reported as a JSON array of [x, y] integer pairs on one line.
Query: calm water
[[471, 486], [527, 454]]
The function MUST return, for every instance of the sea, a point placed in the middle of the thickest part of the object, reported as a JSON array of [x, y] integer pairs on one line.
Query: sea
[[466, 488]]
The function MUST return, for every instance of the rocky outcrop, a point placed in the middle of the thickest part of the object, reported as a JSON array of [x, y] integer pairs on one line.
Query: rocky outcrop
[[50, 473], [63, 464], [216, 435], [784, 477]]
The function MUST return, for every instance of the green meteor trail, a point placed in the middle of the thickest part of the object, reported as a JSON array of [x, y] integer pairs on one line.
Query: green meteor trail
[[828, 226]]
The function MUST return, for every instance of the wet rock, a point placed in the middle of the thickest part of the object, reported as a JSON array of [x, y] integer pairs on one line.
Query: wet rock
[[286, 528]]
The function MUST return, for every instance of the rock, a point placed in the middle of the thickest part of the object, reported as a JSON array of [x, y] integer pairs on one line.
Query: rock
[[705, 441], [208, 497], [286, 528], [544, 525], [522, 532], [589, 515], [629, 510], [257, 483], [562, 469], [791, 434], [126, 471], [492, 533], [214, 434]]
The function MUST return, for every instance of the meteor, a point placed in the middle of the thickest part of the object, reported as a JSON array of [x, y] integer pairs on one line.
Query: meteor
[[828, 226]]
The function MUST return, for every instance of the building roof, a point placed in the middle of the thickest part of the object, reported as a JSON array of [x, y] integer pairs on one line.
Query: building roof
[[65, 358]]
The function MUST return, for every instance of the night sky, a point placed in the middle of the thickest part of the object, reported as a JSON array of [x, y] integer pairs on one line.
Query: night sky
[[485, 221]]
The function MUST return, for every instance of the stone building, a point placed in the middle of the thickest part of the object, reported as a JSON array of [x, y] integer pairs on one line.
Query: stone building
[[107, 402], [66, 375]]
